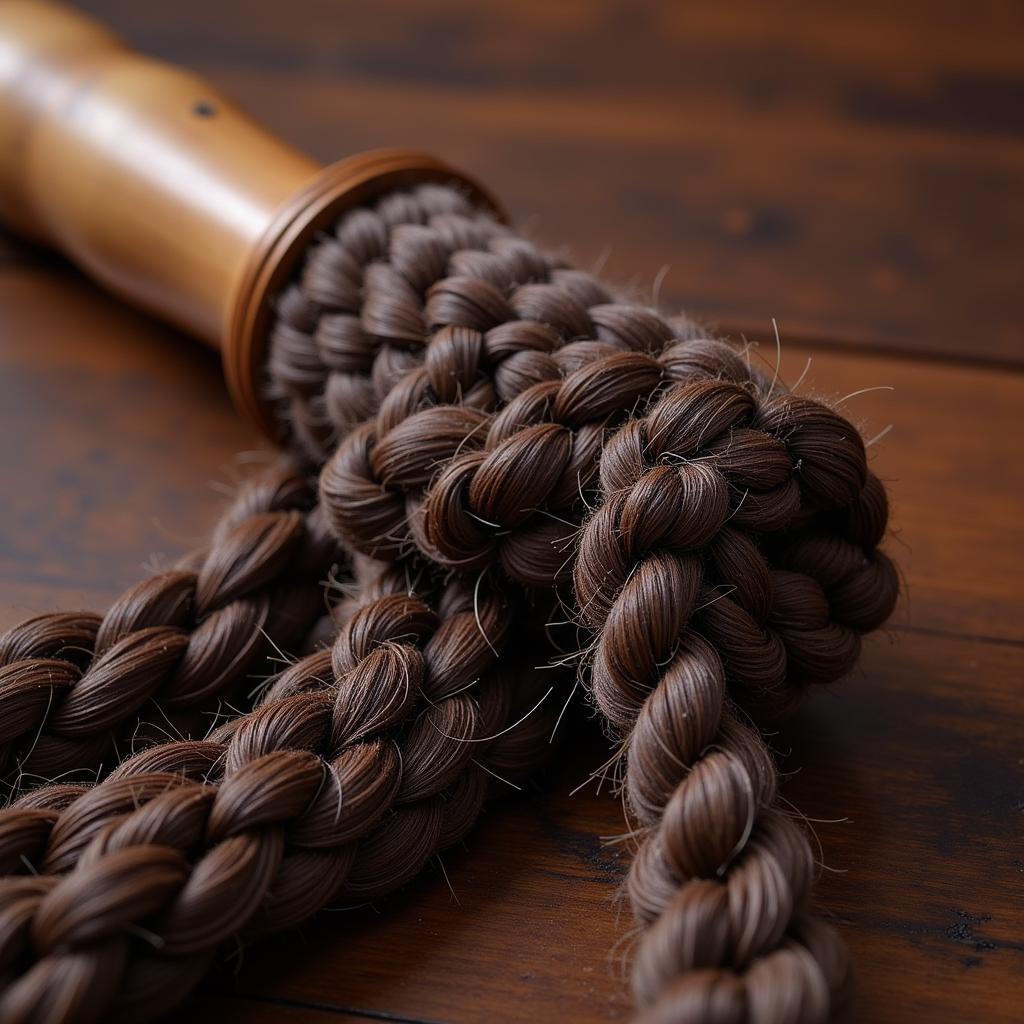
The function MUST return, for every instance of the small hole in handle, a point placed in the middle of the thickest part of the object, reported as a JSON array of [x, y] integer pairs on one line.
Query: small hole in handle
[[204, 108]]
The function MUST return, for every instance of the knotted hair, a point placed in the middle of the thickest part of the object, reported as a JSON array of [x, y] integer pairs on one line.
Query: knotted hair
[[78, 689], [49, 832], [496, 412], [75, 688], [362, 762], [719, 536]]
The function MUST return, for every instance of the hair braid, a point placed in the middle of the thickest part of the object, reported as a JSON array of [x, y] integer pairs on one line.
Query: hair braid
[[323, 793], [721, 877], [72, 684], [359, 317], [734, 541], [51, 828], [347, 331], [733, 545]]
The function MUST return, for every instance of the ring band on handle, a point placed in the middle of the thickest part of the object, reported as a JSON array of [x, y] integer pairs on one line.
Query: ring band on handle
[[278, 253]]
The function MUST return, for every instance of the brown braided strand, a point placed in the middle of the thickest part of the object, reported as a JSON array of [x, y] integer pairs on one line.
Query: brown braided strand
[[771, 487], [71, 684], [425, 300], [349, 332], [322, 794], [732, 559], [734, 540], [419, 258], [353, 323], [442, 367], [720, 877]]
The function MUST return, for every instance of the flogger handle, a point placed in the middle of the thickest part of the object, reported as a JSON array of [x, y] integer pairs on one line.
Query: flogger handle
[[159, 187]]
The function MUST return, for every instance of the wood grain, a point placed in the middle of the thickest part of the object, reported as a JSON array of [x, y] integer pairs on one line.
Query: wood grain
[[111, 429], [851, 169], [114, 428]]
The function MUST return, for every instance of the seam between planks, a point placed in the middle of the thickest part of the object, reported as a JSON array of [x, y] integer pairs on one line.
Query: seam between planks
[[339, 1011], [839, 345], [950, 634]]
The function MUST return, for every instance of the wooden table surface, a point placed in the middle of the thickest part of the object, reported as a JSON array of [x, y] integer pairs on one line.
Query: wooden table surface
[[856, 173]]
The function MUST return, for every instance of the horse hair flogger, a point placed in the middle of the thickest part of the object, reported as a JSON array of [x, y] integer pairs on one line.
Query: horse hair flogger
[[501, 442]]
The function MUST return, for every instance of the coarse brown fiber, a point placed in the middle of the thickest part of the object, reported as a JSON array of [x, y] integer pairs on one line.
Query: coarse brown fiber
[[716, 532], [362, 761], [481, 407], [75, 688]]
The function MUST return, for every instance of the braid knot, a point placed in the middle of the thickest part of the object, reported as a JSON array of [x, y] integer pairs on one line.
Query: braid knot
[[491, 407], [732, 550]]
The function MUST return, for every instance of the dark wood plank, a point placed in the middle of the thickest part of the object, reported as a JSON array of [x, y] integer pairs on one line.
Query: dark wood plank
[[114, 431], [215, 1009], [852, 169]]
